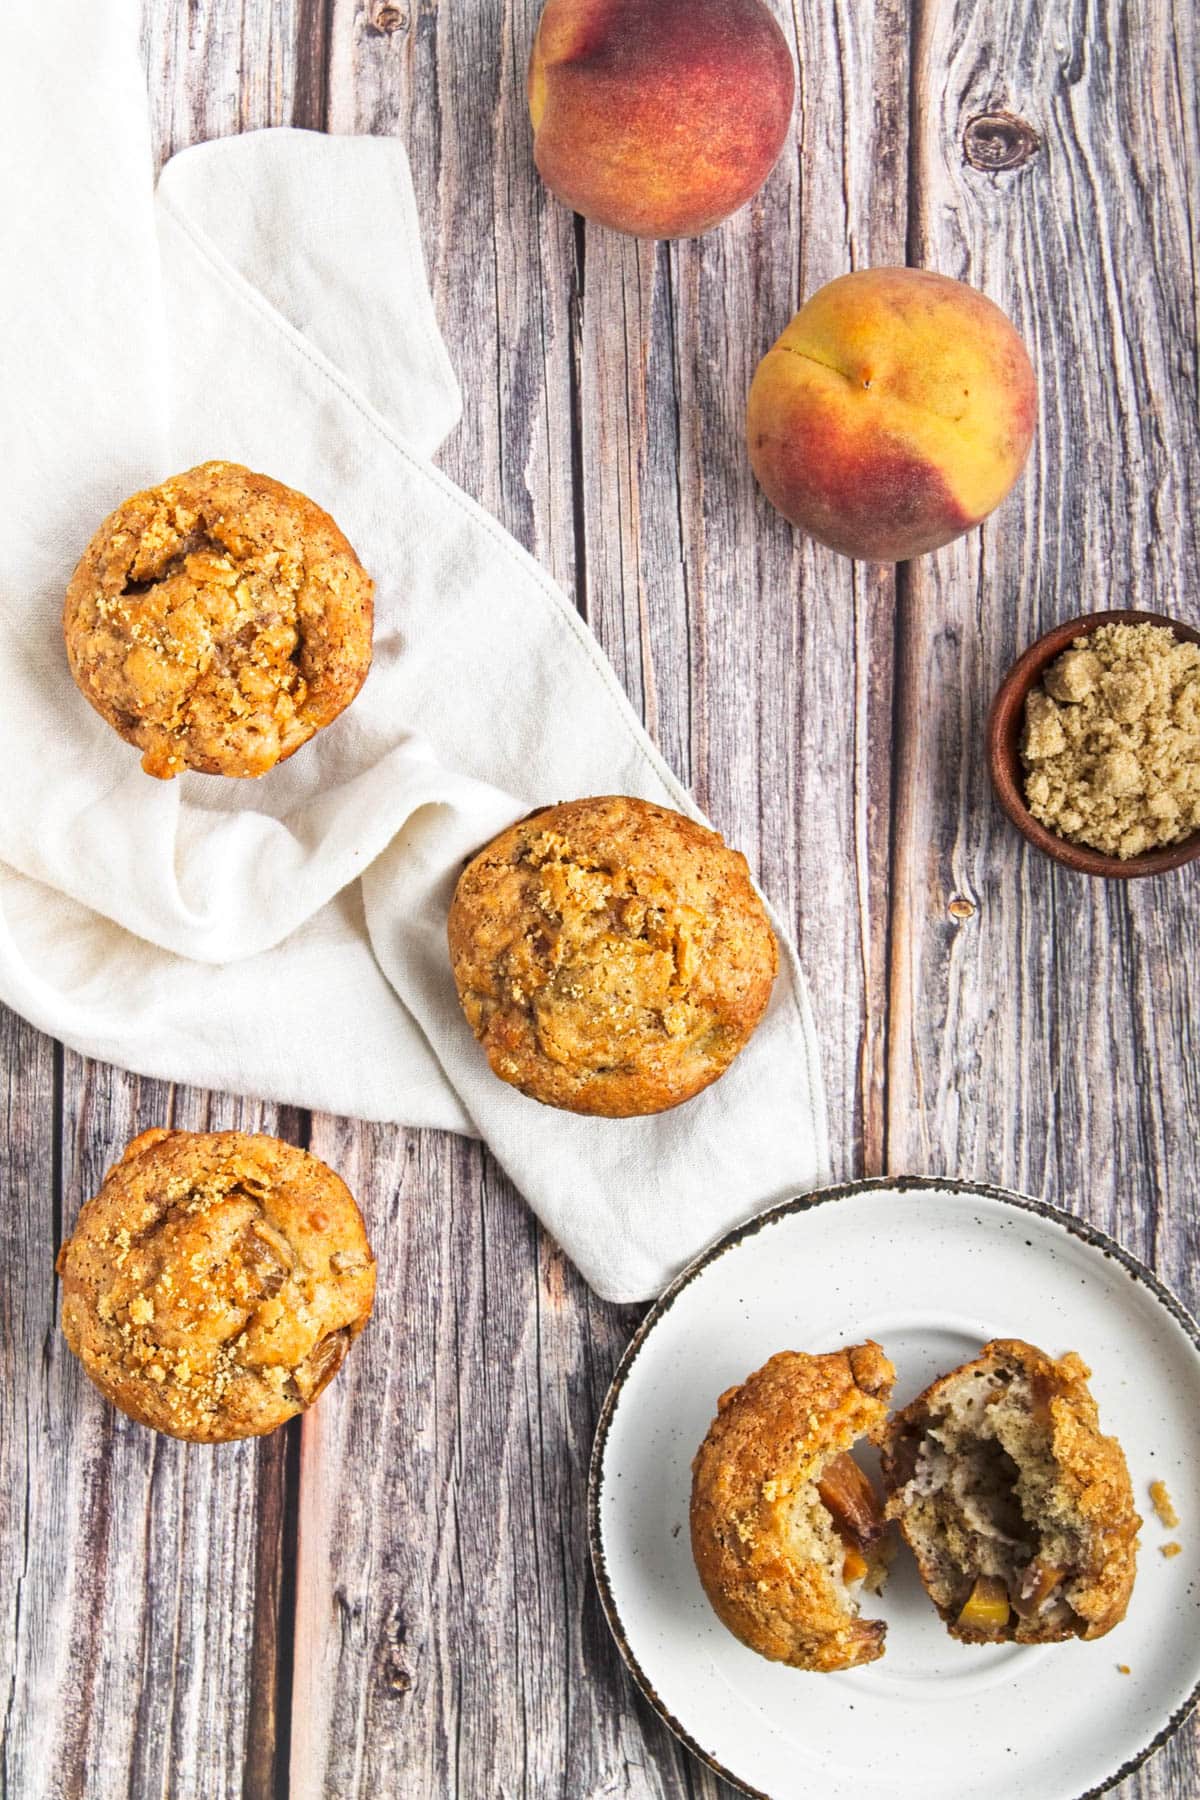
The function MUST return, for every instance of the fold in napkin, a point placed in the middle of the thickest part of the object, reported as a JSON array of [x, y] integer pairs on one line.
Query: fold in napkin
[[286, 937]]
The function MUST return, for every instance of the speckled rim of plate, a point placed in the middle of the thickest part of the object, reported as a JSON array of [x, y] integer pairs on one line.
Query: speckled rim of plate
[[900, 1185]]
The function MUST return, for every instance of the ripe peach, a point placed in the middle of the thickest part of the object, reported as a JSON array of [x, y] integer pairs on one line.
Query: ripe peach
[[894, 413], [658, 117]]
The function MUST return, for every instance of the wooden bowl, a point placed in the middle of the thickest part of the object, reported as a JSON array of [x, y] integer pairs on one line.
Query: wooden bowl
[[1005, 720]]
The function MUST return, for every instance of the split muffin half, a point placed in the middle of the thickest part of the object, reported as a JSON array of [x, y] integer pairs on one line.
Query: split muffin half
[[1018, 1509], [787, 1532]]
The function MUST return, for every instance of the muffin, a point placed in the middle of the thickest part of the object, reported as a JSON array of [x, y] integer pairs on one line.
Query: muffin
[[611, 956], [787, 1532], [1018, 1510], [218, 621], [213, 1286]]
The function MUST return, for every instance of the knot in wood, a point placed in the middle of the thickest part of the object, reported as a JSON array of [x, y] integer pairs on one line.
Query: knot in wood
[[961, 908], [393, 1662], [383, 17], [396, 1676], [999, 140]]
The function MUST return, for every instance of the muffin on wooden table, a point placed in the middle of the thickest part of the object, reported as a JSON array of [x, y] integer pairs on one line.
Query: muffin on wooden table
[[213, 1286], [218, 621], [611, 956]]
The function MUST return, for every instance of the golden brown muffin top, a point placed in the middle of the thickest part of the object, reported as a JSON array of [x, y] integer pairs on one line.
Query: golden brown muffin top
[[765, 1547], [1084, 1486], [213, 1286], [611, 955], [217, 621]]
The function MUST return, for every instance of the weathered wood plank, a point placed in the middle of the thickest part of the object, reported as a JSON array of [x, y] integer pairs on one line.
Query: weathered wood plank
[[448, 81], [28, 1334], [217, 68], [447, 1637], [1049, 1038], [448, 1634]]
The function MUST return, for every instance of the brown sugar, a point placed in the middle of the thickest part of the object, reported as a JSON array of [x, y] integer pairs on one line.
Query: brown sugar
[[1111, 744]]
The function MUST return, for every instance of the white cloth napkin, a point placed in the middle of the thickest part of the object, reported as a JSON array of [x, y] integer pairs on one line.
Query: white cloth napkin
[[286, 937]]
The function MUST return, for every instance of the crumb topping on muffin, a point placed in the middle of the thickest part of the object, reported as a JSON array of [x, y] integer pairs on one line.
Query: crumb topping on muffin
[[213, 1286], [217, 621], [611, 955]]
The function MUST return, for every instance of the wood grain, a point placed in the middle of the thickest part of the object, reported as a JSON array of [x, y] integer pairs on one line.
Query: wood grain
[[214, 68], [394, 1597], [1048, 1040], [28, 1344]]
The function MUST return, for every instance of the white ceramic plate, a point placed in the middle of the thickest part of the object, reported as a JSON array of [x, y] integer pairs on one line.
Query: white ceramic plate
[[931, 1270]]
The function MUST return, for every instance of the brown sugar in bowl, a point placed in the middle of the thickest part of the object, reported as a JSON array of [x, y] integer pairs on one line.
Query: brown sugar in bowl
[[1004, 725]]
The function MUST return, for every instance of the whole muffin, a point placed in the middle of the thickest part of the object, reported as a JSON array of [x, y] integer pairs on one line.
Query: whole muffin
[[213, 1286], [787, 1532], [217, 621], [1018, 1509], [611, 956]]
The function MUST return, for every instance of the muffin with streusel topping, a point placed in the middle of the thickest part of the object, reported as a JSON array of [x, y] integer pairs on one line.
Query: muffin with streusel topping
[[218, 621], [611, 956], [213, 1286]]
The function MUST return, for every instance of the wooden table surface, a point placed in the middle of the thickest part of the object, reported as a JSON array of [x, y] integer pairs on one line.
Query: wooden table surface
[[393, 1597]]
